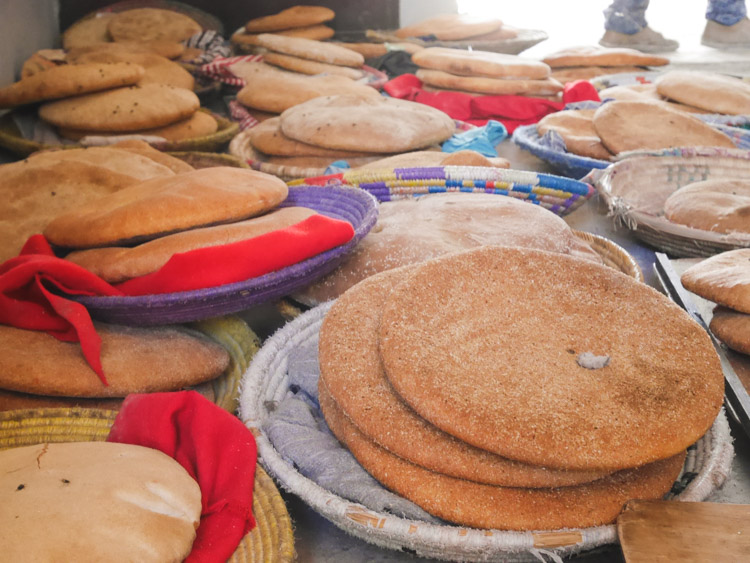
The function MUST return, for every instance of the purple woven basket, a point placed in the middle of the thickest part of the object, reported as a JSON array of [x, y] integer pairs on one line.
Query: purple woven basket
[[355, 206]]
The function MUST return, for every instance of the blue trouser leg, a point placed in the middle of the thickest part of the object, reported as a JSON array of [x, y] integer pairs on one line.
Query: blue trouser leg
[[626, 16], [726, 12]]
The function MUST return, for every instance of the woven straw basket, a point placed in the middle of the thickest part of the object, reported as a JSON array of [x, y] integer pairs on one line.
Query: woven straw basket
[[270, 540], [12, 140], [670, 170], [198, 159], [266, 383]]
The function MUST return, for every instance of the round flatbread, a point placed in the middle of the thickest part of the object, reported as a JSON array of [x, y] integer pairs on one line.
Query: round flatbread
[[148, 24], [721, 206], [268, 139], [294, 17], [480, 63], [378, 125], [549, 360], [573, 73], [158, 69], [351, 371], [504, 508], [310, 49], [167, 49], [576, 127], [591, 55], [96, 501], [428, 158], [723, 279], [123, 109], [635, 125], [732, 328], [414, 230], [134, 360], [155, 208], [484, 85], [305, 66], [144, 149], [717, 93], [450, 27], [64, 81], [315, 32], [117, 264], [88, 31], [274, 90], [199, 124]]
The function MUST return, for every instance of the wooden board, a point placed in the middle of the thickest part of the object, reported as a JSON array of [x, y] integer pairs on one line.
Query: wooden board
[[695, 532]]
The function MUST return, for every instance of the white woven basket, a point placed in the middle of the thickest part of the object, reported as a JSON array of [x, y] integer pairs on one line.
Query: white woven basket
[[266, 383]]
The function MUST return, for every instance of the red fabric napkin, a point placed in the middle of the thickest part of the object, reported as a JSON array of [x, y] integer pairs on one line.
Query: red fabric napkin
[[511, 111], [26, 281], [213, 446]]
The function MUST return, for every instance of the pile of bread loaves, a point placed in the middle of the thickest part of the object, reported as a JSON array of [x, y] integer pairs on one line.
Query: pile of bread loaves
[[527, 417], [587, 62], [307, 22]]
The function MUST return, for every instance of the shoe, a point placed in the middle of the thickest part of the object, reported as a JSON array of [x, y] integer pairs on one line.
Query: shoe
[[646, 40], [720, 36]]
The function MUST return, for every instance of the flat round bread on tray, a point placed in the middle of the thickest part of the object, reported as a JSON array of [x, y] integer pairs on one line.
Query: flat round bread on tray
[[721, 206], [351, 372], [732, 328], [146, 24], [378, 125], [551, 360], [199, 124], [576, 127], [96, 501], [123, 109], [602, 56], [504, 508], [306, 66], [485, 85], [154, 208], [69, 80], [710, 91], [633, 125], [268, 138], [134, 360], [294, 17], [479, 63], [310, 49], [723, 279], [450, 27]]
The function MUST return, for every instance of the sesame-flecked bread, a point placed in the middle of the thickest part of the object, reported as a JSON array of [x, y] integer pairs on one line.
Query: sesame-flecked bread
[[123, 109], [96, 501], [294, 17], [549, 360], [134, 359], [378, 125], [168, 49], [505, 508], [351, 372], [157, 69], [64, 81], [147, 24], [268, 138], [199, 124], [155, 208], [117, 264], [485, 85], [480, 63], [723, 279], [632, 125], [732, 328]]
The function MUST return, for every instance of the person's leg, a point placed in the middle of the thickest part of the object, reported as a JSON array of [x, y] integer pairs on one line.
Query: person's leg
[[727, 25], [625, 26]]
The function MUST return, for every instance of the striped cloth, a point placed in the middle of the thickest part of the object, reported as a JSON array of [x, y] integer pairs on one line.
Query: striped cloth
[[219, 69]]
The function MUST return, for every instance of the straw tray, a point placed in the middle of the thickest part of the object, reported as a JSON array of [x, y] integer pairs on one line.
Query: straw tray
[[198, 159], [559, 195], [270, 540], [669, 170], [354, 206], [266, 383], [12, 139]]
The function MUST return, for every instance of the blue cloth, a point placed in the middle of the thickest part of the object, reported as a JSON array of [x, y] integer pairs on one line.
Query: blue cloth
[[626, 16], [629, 16], [336, 167], [481, 139], [726, 12]]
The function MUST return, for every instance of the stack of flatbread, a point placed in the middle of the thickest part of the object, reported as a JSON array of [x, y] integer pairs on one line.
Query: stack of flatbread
[[163, 29], [543, 391], [410, 231], [725, 280], [322, 130], [586, 62], [620, 126], [483, 72], [458, 27], [307, 22]]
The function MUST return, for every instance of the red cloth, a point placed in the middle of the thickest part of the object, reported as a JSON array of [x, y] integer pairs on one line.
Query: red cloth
[[213, 446], [511, 111], [25, 281]]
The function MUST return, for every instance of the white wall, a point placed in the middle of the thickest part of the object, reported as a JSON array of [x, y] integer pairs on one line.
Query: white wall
[[413, 11], [25, 27]]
